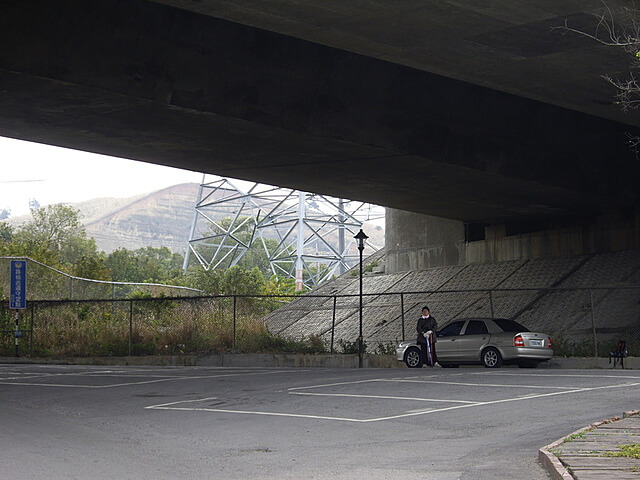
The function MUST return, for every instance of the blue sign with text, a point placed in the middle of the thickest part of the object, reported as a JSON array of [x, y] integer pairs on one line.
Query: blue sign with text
[[18, 284]]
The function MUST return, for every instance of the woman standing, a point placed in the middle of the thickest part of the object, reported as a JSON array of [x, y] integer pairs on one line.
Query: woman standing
[[427, 327]]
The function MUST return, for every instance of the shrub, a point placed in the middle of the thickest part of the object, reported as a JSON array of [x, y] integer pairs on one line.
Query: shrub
[[351, 347], [253, 336], [388, 348]]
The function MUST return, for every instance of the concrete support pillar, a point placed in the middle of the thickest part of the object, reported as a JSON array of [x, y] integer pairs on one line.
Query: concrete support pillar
[[417, 242]]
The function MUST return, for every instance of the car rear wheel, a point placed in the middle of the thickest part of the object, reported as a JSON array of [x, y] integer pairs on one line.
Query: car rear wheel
[[491, 358], [413, 358]]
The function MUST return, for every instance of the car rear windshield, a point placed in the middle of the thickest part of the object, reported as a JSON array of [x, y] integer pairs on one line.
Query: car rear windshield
[[509, 325]]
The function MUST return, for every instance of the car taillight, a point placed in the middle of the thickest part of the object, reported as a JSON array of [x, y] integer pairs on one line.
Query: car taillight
[[549, 344], [518, 341]]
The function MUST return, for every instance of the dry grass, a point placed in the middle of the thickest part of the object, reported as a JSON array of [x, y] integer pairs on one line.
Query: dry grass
[[146, 327]]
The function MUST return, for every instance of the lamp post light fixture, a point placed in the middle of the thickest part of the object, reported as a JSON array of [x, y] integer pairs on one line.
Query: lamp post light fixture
[[361, 237]]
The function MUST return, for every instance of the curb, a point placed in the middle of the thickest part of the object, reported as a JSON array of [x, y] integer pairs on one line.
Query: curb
[[339, 360], [239, 360], [552, 463]]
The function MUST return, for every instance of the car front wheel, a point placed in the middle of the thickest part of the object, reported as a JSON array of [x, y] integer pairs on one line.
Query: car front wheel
[[413, 358], [491, 358]]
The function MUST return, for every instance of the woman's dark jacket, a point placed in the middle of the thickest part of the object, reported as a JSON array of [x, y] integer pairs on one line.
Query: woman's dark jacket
[[424, 325]]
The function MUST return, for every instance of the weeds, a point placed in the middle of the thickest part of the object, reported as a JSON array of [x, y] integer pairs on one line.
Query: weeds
[[631, 450], [576, 436], [351, 347], [255, 337], [367, 269], [388, 348], [148, 327]]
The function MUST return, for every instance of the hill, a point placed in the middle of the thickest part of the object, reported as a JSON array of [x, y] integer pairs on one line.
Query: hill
[[158, 219]]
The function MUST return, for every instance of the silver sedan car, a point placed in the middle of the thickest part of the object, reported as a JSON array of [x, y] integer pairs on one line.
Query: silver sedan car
[[491, 342]]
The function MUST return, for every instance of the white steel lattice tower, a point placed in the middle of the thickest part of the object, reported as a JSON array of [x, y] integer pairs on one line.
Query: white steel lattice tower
[[223, 225], [306, 236]]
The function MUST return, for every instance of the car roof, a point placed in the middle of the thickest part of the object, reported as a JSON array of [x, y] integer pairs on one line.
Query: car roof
[[496, 320], [472, 318]]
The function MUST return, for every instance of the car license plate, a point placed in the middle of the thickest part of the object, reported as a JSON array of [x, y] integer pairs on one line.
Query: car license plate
[[535, 343]]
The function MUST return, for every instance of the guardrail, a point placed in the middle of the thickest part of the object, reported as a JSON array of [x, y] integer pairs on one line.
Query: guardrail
[[47, 283]]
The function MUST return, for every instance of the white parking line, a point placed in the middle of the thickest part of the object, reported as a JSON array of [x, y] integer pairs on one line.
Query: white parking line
[[169, 406], [465, 404], [126, 384], [544, 375], [335, 390], [468, 384], [356, 382], [383, 397], [504, 400], [163, 405]]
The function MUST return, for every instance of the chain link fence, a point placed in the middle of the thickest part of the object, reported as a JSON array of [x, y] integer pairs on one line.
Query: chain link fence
[[147, 326], [581, 321]]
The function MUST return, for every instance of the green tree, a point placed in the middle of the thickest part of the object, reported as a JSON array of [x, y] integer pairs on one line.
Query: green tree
[[158, 264], [55, 236], [6, 234], [209, 281], [91, 267], [256, 256], [277, 285], [123, 265], [53, 226], [242, 281], [233, 281], [22, 247], [144, 265]]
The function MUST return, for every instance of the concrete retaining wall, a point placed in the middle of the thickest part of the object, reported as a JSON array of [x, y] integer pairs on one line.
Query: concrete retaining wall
[[419, 242], [606, 234]]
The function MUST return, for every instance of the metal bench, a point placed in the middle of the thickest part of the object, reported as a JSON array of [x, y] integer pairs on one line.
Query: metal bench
[[619, 354]]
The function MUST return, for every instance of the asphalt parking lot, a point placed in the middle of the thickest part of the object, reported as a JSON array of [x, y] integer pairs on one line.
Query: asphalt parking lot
[[64, 422]]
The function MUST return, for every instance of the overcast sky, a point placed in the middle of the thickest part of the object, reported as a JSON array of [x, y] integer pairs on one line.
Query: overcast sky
[[59, 175]]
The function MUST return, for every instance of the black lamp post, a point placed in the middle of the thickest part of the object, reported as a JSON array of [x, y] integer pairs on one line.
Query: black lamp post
[[361, 237]]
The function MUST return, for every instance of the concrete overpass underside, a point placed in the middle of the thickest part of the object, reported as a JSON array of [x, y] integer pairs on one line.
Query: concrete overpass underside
[[478, 112]]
